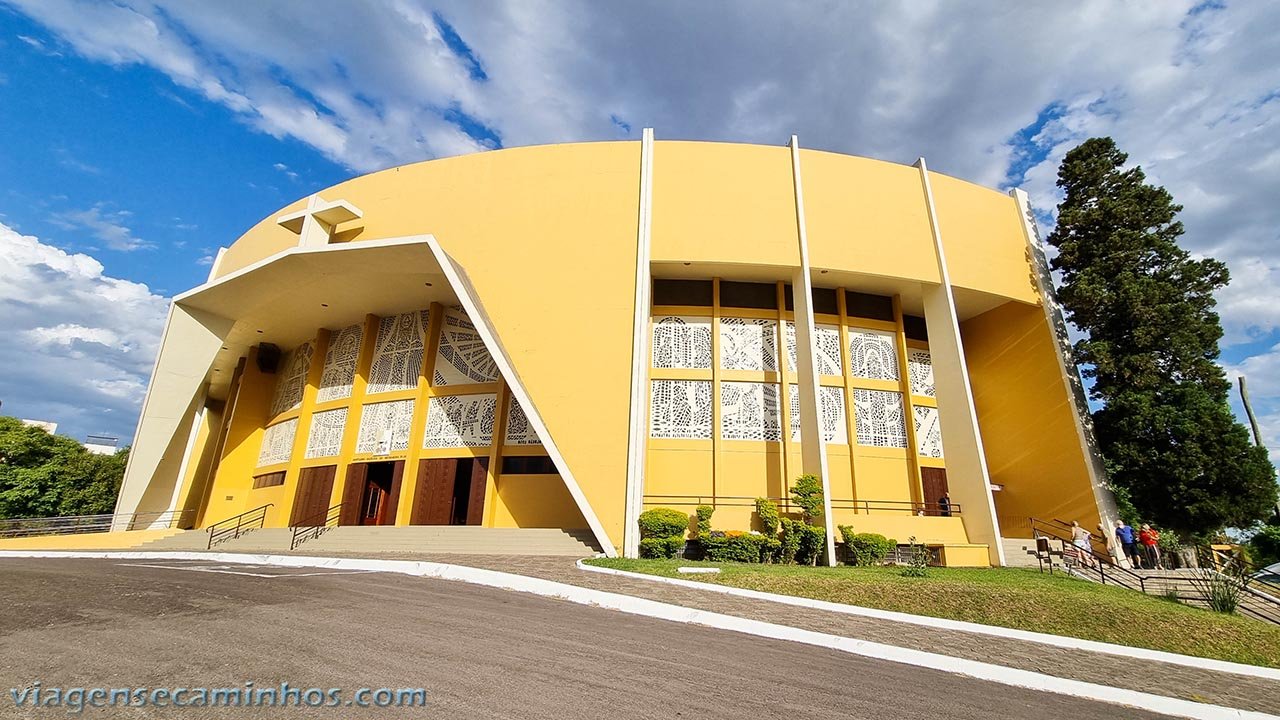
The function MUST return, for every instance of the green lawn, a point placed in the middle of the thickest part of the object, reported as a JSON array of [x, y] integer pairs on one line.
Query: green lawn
[[1008, 597]]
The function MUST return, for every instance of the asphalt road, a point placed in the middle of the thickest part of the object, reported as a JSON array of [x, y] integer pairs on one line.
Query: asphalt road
[[478, 652]]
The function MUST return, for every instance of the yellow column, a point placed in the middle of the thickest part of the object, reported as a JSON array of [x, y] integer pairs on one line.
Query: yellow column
[[908, 407], [309, 389], [421, 402], [716, 463], [368, 342], [784, 378], [846, 370], [495, 453]]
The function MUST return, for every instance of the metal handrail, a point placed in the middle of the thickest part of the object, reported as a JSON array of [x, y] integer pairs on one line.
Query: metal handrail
[[78, 524], [247, 521], [305, 531], [788, 505]]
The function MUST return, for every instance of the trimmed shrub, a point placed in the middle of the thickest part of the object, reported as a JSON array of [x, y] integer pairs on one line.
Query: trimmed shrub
[[737, 546], [767, 510], [663, 523], [807, 493], [661, 548], [704, 520], [813, 542], [866, 548], [790, 542]]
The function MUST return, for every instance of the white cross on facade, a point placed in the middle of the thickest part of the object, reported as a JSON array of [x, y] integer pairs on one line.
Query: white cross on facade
[[314, 225]]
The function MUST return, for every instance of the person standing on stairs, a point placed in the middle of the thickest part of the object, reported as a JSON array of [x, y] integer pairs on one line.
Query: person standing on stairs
[[1128, 543], [1080, 539], [1149, 537]]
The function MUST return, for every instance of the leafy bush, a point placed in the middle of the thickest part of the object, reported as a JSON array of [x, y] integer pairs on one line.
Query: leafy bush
[[737, 546], [813, 541], [704, 521], [767, 510], [807, 493], [661, 548], [663, 523], [918, 565], [790, 542], [866, 548]]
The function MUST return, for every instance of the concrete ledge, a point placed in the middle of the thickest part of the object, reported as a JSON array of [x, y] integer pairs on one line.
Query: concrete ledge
[[638, 606]]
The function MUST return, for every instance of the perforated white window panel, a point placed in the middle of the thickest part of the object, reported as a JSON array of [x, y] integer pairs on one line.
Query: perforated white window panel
[[826, 349], [292, 379], [832, 418], [920, 368], [519, 431], [384, 427], [460, 421], [340, 364], [277, 443], [873, 354], [397, 353], [879, 418], [750, 411], [325, 436], [748, 344], [928, 432], [681, 342], [462, 358], [680, 409]]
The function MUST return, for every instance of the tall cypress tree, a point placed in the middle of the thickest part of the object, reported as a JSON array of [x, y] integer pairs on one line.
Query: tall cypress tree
[[1147, 308]]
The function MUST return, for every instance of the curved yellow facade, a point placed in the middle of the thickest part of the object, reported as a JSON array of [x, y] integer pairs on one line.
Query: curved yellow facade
[[925, 305]]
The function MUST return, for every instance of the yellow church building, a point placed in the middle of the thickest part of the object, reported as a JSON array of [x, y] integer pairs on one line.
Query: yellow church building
[[565, 336]]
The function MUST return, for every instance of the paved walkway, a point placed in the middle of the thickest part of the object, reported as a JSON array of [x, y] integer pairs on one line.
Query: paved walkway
[[1238, 691]]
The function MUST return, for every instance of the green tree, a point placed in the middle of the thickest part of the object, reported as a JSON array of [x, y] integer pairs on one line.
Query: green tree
[[1151, 346], [43, 474]]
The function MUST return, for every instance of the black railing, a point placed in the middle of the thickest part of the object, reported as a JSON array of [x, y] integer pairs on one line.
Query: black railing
[[904, 507], [315, 526], [234, 527], [79, 524]]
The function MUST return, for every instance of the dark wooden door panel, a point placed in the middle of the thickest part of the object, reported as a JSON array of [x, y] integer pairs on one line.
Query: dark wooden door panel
[[475, 503], [352, 492], [315, 487], [435, 491], [934, 482]]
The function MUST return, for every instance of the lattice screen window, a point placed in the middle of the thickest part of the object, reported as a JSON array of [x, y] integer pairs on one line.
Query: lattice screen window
[[682, 342], [277, 443], [397, 353], [748, 344], [292, 379], [680, 409], [460, 421], [750, 411], [831, 420], [928, 432], [384, 427], [325, 436], [826, 348], [920, 368], [519, 431], [340, 364], [873, 354], [462, 358], [879, 418]]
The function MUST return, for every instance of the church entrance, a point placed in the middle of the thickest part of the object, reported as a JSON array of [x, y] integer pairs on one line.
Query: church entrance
[[372, 493], [450, 491]]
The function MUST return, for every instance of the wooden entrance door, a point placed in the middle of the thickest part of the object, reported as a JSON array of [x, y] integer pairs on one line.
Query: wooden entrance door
[[934, 482], [450, 491], [315, 487], [372, 493]]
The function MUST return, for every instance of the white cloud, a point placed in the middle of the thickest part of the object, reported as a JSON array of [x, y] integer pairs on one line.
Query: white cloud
[[82, 343], [105, 225]]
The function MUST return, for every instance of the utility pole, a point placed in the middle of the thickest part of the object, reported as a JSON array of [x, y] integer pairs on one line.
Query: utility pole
[[1248, 410]]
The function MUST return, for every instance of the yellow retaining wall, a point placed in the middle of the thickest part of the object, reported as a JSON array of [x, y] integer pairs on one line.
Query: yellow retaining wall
[[87, 541], [535, 501]]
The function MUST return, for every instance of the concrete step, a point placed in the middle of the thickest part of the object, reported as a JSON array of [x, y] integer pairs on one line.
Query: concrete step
[[418, 538], [1019, 552]]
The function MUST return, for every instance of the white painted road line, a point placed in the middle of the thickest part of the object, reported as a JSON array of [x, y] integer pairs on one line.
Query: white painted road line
[[1159, 704]]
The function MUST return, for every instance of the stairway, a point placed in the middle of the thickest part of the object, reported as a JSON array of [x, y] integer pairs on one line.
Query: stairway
[[461, 540], [1021, 553]]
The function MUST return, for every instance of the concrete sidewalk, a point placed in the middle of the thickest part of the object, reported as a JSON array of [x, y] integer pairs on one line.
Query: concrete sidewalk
[[1188, 683]]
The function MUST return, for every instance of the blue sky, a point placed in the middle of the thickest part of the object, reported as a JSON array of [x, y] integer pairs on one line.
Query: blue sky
[[139, 136]]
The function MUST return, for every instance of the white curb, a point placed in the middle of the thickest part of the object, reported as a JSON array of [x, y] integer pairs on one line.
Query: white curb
[[649, 608], [962, 626]]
